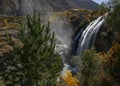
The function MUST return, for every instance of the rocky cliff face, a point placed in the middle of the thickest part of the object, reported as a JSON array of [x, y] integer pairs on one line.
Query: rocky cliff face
[[21, 7]]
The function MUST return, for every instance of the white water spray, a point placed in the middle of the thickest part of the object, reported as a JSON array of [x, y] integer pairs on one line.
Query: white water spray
[[88, 36]]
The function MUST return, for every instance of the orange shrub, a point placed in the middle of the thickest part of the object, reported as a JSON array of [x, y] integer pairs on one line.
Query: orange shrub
[[110, 62], [70, 80]]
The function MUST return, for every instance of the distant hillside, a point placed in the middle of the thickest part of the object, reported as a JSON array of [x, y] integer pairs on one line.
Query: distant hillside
[[21, 7]]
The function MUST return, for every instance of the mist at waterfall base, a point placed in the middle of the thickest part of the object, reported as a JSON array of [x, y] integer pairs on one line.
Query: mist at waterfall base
[[84, 40], [64, 39], [67, 42], [63, 34]]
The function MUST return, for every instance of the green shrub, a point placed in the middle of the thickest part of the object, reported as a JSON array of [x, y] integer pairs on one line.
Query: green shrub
[[32, 61], [113, 22], [88, 67]]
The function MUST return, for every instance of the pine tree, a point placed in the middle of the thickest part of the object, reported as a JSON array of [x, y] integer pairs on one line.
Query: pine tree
[[32, 61]]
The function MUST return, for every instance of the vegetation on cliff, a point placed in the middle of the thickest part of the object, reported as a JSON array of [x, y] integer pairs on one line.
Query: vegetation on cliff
[[110, 31]]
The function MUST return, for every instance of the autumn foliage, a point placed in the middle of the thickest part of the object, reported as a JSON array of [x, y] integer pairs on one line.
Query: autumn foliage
[[110, 62], [70, 80]]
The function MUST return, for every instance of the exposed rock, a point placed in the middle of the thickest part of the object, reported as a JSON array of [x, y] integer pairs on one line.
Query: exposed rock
[[21, 7]]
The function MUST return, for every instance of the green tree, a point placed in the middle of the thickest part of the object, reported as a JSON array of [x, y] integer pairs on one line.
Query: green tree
[[113, 21], [32, 61], [103, 8], [113, 18], [88, 67]]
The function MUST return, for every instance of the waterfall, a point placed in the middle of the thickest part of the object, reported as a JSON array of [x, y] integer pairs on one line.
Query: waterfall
[[85, 39], [88, 36], [75, 41]]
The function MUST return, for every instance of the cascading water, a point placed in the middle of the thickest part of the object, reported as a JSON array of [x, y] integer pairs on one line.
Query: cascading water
[[86, 40], [88, 36]]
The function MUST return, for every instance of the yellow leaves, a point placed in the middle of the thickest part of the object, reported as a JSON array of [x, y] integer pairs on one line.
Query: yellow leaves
[[17, 42], [115, 49], [5, 49], [6, 23], [110, 64], [113, 52], [11, 25], [70, 80]]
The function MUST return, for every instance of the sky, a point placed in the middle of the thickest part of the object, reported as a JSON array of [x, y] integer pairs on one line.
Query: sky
[[99, 1]]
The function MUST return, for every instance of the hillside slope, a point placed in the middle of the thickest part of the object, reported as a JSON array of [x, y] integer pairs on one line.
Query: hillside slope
[[21, 7]]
